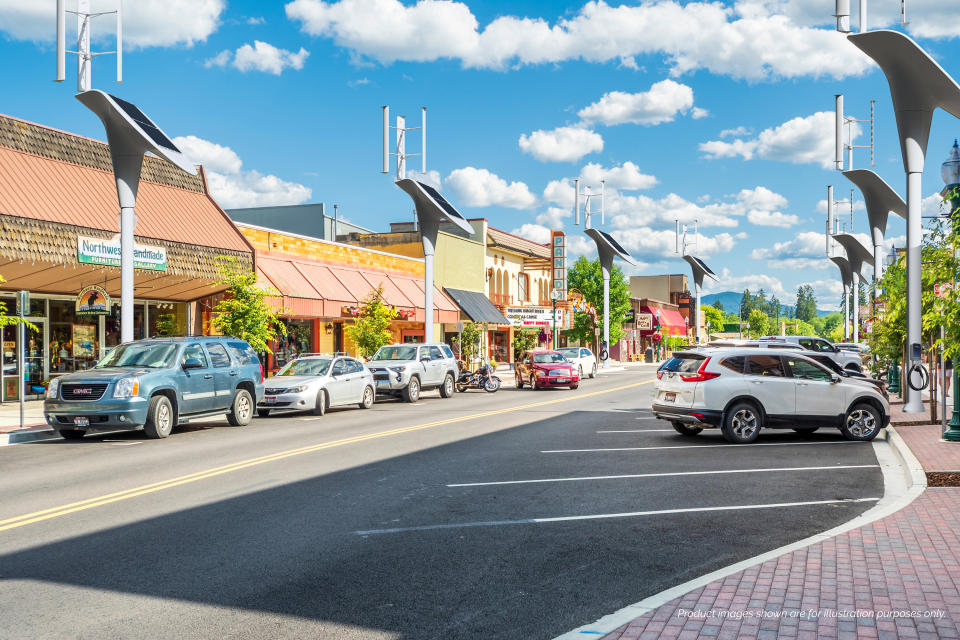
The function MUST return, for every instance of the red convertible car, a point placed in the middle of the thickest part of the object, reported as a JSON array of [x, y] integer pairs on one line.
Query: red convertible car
[[544, 368]]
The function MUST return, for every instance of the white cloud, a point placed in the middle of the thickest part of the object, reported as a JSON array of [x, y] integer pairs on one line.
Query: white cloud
[[255, 20], [481, 188], [806, 244], [691, 36], [554, 217], [761, 198], [754, 282], [232, 187], [262, 56], [563, 144], [662, 103], [431, 177], [772, 219], [697, 113], [534, 232], [738, 131], [800, 140], [146, 23], [626, 176]]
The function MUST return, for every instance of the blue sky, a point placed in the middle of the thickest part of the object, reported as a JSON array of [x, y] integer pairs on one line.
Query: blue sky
[[714, 111]]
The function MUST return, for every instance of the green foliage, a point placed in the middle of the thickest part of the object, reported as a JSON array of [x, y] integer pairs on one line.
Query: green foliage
[[371, 329], [806, 306], [244, 313], [523, 340], [718, 306], [470, 339], [714, 319], [759, 324], [585, 276]]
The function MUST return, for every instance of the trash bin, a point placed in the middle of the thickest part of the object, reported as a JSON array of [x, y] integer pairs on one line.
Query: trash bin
[[648, 355]]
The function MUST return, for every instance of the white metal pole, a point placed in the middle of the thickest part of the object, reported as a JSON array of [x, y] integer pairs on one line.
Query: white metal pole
[[913, 401], [61, 40], [846, 312], [838, 133], [829, 219], [401, 148], [84, 65], [428, 252], [576, 201], [126, 274], [863, 16], [386, 139], [855, 303], [606, 314], [21, 343], [696, 313]]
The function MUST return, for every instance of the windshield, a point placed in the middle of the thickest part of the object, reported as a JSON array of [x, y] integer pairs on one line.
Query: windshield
[[139, 354], [306, 367], [547, 358], [396, 353], [570, 352]]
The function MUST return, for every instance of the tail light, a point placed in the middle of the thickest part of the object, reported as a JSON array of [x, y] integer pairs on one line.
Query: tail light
[[261, 373], [700, 375], [659, 374]]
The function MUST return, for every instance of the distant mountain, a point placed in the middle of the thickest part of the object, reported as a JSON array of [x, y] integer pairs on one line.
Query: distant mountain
[[731, 302]]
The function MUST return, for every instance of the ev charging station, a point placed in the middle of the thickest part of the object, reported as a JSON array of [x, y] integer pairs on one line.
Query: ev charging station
[[130, 133], [857, 256], [700, 271]]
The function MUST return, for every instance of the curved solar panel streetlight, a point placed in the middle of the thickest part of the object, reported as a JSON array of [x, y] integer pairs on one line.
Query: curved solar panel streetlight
[[700, 271], [130, 133], [881, 200], [918, 85], [607, 249], [432, 209], [857, 256], [846, 277]]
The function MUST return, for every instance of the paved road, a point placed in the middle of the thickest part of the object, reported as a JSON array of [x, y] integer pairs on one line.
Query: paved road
[[296, 527]]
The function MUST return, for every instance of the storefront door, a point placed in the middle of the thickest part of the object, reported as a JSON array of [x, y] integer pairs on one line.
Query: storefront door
[[32, 360]]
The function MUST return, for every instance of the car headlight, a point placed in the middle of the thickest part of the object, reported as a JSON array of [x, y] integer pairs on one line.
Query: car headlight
[[297, 389], [53, 388], [399, 369], [126, 388], [541, 373]]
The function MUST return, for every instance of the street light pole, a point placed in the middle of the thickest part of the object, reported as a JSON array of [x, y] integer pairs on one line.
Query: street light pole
[[554, 296]]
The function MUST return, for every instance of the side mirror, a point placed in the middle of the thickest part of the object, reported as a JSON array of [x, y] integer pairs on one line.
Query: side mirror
[[834, 378], [192, 363], [526, 362]]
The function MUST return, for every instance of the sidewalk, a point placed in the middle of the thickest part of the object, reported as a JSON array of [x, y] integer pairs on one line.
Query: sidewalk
[[897, 577], [36, 426]]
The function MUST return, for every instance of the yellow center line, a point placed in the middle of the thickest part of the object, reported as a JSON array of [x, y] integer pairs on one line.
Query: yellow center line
[[90, 503]]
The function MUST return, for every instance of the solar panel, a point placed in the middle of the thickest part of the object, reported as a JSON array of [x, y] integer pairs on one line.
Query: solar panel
[[704, 266], [145, 123], [440, 200], [613, 243]]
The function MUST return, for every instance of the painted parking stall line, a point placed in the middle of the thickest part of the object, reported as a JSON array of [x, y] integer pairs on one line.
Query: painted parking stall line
[[704, 446], [609, 516], [665, 475]]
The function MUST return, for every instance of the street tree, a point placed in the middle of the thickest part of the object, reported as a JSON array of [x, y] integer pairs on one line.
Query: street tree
[[806, 307], [523, 340], [371, 328], [470, 339], [714, 318], [759, 323], [585, 276], [244, 311], [6, 321]]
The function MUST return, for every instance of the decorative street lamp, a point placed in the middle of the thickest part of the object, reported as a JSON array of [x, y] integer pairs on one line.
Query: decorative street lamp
[[554, 296], [950, 172], [857, 256]]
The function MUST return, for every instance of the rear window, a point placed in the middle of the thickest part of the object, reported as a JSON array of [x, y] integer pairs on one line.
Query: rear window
[[734, 363], [684, 363], [243, 352]]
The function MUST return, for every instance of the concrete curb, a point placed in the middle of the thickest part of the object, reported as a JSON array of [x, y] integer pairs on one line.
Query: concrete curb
[[23, 437], [903, 480]]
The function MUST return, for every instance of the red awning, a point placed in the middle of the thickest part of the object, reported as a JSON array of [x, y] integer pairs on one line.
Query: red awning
[[672, 323]]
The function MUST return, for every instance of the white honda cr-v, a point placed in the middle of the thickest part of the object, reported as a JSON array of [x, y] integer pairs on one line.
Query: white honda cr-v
[[741, 391]]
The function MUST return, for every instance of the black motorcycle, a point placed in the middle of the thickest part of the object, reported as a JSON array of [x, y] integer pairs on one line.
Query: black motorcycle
[[482, 378]]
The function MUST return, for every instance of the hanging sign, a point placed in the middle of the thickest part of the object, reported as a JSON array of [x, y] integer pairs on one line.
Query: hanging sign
[[645, 321], [107, 252], [92, 301]]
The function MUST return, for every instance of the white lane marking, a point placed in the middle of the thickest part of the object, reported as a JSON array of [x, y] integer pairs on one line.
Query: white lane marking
[[664, 475], [702, 446], [639, 431], [607, 516]]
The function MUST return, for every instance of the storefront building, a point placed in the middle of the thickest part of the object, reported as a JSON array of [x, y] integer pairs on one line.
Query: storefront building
[[59, 240], [322, 284], [655, 318]]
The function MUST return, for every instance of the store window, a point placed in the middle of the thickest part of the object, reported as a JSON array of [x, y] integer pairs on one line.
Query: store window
[[111, 332], [299, 339], [74, 341], [167, 319]]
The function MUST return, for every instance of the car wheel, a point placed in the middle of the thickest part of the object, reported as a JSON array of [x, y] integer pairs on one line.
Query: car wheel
[[368, 396], [263, 413], [742, 423], [71, 434], [593, 373], [320, 405], [159, 422], [574, 386], [580, 371], [448, 387], [862, 423], [685, 430], [241, 412], [533, 383], [411, 393], [805, 429]]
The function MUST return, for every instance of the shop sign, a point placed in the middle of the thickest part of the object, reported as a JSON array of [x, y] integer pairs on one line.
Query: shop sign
[[107, 252], [93, 301], [645, 321], [532, 316], [84, 340]]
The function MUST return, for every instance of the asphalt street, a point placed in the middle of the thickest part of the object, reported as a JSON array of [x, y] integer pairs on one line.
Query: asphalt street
[[515, 515]]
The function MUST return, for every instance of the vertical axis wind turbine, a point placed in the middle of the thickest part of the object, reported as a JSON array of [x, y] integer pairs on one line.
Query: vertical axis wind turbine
[[432, 208], [700, 270], [84, 55], [607, 249]]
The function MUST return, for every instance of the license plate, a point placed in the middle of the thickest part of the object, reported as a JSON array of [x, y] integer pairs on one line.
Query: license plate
[[383, 383], [81, 422], [269, 399], [670, 397], [561, 380]]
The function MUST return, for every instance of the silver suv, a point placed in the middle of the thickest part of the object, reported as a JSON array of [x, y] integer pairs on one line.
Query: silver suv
[[846, 359], [405, 370]]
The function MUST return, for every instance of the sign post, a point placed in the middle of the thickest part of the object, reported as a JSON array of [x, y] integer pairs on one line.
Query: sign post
[[23, 310]]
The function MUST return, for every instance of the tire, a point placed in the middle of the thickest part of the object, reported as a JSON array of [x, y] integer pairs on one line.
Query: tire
[[492, 385], [805, 429], [71, 434], [411, 393], [533, 384], [368, 397], [320, 406], [263, 413], [593, 372], [580, 371], [862, 423], [160, 417], [241, 411], [685, 430], [742, 423], [448, 388], [574, 387]]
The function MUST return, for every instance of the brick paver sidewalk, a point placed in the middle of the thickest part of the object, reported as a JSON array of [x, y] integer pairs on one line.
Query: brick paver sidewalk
[[898, 577]]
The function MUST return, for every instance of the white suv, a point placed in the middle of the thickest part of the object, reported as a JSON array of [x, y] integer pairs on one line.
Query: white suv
[[405, 370], [583, 359], [741, 391]]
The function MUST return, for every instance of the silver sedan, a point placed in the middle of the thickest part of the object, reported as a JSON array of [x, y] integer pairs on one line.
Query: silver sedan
[[316, 382]]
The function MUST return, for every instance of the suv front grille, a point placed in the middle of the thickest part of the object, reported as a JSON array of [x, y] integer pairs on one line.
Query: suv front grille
[[79, 391], [559, 372], [270, 391]]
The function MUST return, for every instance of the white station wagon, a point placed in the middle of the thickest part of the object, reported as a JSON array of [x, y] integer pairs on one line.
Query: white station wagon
[[743, 390]]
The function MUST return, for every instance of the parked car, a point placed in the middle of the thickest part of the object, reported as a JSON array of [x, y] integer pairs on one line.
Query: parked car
[[543, 368], [845, 359], [742, 391], [583, 359], [156, 384], [405, 370], [859, 347], [316, 382], [828, 362]]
